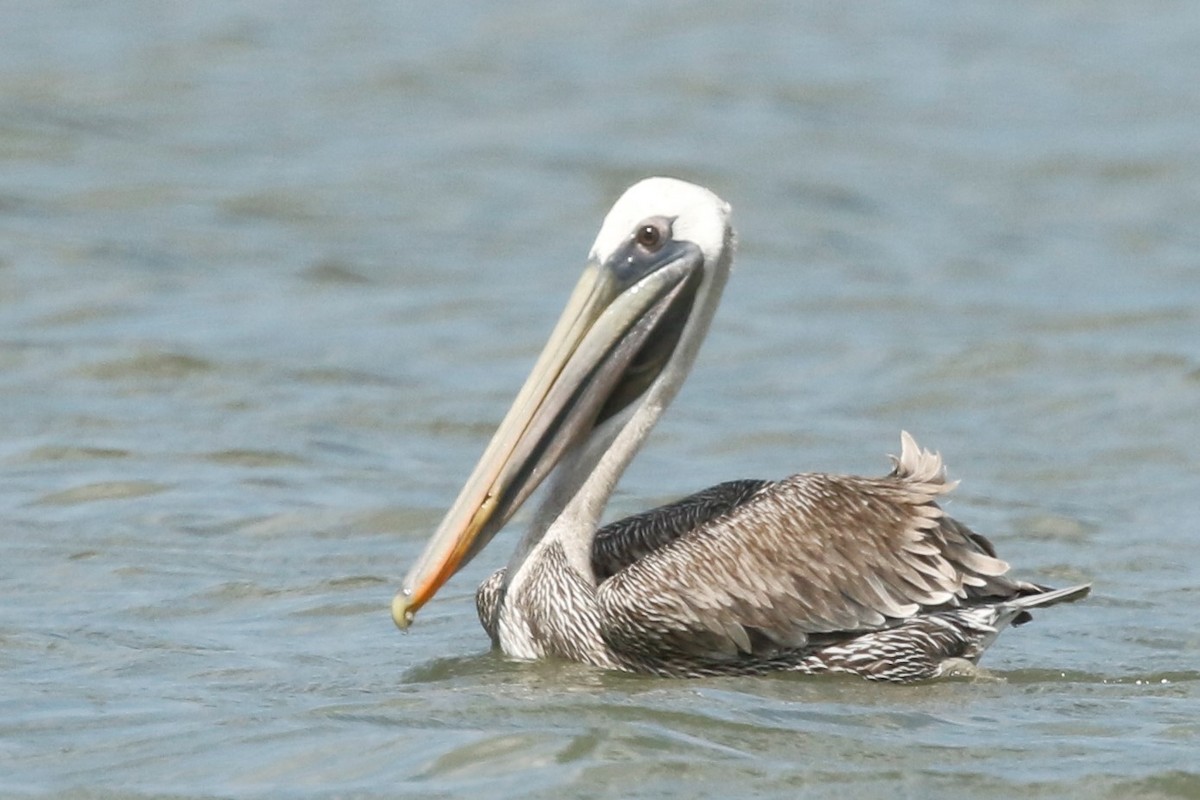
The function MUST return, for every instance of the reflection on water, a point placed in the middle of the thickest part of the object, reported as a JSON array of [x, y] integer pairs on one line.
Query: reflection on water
[[267, 281]]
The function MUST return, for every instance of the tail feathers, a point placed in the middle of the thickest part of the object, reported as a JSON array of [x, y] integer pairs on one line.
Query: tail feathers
[[1018, 607], [1052, 597]]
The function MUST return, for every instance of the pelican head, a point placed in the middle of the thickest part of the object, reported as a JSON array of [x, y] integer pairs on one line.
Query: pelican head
[[618, 354]]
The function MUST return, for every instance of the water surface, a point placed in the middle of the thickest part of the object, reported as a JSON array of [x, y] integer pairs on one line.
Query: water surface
[[269, 276]]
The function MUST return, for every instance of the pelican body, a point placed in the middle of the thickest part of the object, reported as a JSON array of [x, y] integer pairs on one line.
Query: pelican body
[[814, 573]]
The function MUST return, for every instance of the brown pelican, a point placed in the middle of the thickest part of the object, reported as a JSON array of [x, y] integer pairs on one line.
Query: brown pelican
[[814, 573]]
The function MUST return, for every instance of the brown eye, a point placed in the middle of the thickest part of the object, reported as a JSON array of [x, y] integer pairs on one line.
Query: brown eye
[[648, 236]]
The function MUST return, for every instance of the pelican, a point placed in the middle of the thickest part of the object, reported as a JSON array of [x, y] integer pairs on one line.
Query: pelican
[[815, 573]]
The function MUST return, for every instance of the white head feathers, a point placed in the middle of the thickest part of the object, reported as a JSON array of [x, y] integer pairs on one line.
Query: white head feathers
[[699, 216]]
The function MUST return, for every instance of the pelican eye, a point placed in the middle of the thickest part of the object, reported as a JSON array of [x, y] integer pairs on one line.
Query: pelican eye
[[650, 236]]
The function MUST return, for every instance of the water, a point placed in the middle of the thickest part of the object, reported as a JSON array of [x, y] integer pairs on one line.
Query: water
[[270, 274]]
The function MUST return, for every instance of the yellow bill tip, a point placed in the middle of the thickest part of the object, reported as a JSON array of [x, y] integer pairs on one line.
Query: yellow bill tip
[[402, 611]]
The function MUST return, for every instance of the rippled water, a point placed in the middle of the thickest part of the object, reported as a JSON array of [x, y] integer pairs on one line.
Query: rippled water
[[269, 274]]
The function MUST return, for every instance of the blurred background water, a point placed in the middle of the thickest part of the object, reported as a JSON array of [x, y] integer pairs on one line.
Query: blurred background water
[[270, 273]]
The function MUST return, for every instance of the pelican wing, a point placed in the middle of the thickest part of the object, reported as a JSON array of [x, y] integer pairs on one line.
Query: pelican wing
[[622, 543], [804, 557]]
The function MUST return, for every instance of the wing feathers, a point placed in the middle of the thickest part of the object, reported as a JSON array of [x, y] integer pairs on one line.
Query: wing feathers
[[769, 564]]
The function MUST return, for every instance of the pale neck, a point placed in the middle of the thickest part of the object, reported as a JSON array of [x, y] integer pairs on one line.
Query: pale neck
[[586, 477]]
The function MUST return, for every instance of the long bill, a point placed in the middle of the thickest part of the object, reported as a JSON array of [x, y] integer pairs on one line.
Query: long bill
[[611, 342]]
